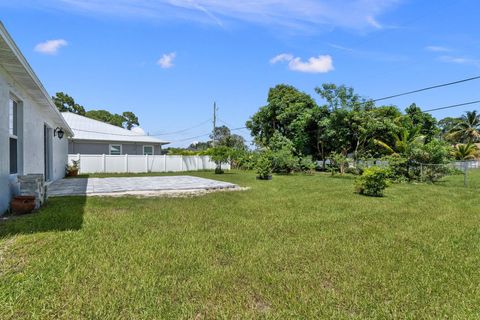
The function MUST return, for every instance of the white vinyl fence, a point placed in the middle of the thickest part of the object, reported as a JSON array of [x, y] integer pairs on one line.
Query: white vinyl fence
[[93, 163]]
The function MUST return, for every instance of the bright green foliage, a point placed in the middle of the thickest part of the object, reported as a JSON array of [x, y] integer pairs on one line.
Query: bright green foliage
[[467, 129], [289, 113], [416, 118], [224, 137], [467, 151], [184, 152], [434, 152], [306, 164], [372, 182], [402, 142], [338, 162], [297, 247], [263, 165], [219, 155]]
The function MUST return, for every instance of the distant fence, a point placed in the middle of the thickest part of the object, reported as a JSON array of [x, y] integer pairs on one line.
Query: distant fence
[[92, 163]]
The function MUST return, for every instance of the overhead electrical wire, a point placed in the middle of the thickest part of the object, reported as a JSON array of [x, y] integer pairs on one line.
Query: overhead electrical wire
[[426, 88], [453, 106], [183, 130]]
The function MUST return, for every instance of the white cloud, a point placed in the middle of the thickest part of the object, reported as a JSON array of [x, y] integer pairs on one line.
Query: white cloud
[[281, 58], [460, 60], [166, 61], [437, 49], [319, 64], [373, 22], [50, 46], [299, 14]]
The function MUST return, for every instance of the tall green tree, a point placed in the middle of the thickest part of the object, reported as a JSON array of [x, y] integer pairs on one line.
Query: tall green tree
[[289, 112], [467, 129], [427, 124], [66, 103], [224, 137], [129, 120]]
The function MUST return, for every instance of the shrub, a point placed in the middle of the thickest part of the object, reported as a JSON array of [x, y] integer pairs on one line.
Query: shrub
[[283, 161], [338, 162], [372, 182], [306, 164], [264, 165]]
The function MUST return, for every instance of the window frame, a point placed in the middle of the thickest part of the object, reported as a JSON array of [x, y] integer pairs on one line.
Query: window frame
[[13, 105], [114, 145], [149, 146]]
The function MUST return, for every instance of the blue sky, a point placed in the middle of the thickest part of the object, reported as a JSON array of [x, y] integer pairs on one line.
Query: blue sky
[[168, 60]]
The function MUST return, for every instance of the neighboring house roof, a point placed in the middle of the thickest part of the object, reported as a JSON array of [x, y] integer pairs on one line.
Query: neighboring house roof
[[90, 129], [13, 61]]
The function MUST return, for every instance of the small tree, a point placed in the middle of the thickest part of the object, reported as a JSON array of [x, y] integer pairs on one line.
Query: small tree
[[264, 165], [372, 182], [220, 155], [338, 162]]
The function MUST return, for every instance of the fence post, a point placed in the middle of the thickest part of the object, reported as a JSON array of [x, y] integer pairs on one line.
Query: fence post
[[181, 163], [126, 163], [104, 165], [146, 163], [196, 163], [80, 162], [465, 165]]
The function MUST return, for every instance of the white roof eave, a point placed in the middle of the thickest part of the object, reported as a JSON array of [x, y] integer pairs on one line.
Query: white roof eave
[[38, 86]]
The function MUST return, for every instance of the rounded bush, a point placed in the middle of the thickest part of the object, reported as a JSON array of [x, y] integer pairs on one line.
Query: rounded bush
[[372, 182]]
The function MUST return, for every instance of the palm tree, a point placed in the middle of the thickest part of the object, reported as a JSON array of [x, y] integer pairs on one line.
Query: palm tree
[[467, 151], [402, 141], [468, 129]]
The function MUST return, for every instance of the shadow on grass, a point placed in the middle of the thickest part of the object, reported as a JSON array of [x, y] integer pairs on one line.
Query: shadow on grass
[[59, 214]]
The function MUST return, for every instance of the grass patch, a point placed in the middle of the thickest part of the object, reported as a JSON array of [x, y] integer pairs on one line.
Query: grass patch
[[294, 247]]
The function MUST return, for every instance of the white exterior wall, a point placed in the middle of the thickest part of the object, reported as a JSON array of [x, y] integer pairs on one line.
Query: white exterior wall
[[31, 139]]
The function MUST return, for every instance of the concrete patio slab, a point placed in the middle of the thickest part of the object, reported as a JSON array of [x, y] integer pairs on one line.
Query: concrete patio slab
[[135, 185]]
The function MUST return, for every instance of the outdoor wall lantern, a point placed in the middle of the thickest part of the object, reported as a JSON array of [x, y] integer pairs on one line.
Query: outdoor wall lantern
[[58, 132]]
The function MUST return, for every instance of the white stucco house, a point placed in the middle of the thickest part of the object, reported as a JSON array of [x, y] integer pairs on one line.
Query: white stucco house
[[96, 137], [30, 125]]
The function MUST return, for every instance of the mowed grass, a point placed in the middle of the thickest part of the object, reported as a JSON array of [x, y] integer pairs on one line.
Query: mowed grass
[[294, 247]]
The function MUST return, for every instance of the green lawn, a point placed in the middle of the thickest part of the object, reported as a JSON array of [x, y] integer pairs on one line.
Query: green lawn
[[294, 247]]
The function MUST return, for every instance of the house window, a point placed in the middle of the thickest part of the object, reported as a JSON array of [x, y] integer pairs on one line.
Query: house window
[[115, 149], [13, 134], [148, 150]]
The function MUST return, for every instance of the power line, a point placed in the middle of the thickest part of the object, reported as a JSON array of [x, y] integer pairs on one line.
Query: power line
[[186, 139], [426, 88], [183, 130], [453, 106]]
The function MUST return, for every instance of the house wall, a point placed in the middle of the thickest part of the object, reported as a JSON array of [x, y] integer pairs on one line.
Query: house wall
[[31, 133], [88, 147]]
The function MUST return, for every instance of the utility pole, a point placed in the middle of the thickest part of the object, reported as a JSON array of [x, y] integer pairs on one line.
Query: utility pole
[[215, 109]]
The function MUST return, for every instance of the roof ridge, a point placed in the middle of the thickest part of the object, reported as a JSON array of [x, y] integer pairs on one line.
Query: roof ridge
[[105, 123]]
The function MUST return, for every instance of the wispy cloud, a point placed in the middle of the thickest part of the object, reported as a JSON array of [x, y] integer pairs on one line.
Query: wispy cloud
[[460, 60], [437, 49], [371, 55], [319, 64], [50, 46], [166, 61], [281, 58], [299, 14]]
